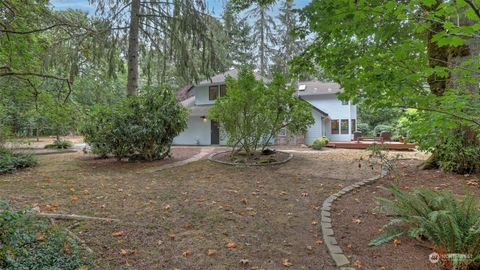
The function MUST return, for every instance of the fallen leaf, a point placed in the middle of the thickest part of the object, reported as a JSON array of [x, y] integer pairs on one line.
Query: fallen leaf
[[67, 248], [40, 236], [212, 252], [244, 261], [314, 222], [167, 207], [357, 264], [123, 252], [304, 194], [118, 233], [319, 242], [397, 242], [356, 221], [472, 183], [187, 253], [244, 201], [286, 263], [74, 198], [231, 245]]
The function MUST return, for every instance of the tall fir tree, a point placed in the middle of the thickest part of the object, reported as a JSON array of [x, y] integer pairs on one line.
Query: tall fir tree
[[265, 35], [238, 38], [289, 44]]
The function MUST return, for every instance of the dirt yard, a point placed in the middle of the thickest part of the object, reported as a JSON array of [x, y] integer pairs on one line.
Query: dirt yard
[[199, 216]]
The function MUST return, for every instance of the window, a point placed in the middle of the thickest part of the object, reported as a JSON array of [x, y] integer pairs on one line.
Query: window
[[213, 92], [282, 132], [344, 102], [354, 125], [223, 90], [334, 127], [344, 126]]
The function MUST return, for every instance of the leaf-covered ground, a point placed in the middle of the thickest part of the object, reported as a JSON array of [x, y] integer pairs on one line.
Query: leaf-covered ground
[[199, 216]]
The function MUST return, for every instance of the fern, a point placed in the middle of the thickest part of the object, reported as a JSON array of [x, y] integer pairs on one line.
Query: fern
[[385, 238], [452, 224]]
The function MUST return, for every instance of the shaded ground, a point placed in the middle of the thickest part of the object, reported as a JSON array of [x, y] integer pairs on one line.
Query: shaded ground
[[33, 143], [171, 218], [356, 221]]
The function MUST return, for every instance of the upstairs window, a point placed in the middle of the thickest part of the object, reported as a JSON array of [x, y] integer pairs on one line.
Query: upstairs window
[[344, 102], [282, 132], [212, 92], [216, 91], [223, 90], [334, 126], [344, 126]]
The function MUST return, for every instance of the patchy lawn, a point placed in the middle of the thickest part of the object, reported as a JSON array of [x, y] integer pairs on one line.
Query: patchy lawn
[[253, 218]]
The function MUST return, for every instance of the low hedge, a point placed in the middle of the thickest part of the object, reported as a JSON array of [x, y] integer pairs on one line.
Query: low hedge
[[29, 242], [10, 162]]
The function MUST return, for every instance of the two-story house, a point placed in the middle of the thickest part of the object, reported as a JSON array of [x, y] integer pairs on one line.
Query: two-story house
[[334, 118]]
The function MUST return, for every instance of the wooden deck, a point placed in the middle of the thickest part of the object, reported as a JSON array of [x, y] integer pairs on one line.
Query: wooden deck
[[366, 144]]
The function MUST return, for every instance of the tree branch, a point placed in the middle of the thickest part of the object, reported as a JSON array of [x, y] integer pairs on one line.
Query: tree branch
[[32, 31], [475, 8], [9, 72]]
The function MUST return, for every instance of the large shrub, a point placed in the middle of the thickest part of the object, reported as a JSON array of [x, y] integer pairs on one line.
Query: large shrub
[[27, 242], [140, 127], [10, 162], [319, 143], [252, 113], [452, 224]]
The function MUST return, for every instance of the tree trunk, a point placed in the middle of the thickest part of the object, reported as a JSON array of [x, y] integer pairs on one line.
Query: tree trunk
[[132, 77], [262, 41], [453, 57]]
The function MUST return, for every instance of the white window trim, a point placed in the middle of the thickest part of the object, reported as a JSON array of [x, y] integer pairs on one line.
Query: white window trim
[[282, 132]]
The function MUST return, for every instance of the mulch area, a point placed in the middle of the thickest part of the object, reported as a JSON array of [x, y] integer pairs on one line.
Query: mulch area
[[356, 222], [248, 217]]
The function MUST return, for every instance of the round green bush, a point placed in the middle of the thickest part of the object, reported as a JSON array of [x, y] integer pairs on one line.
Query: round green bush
[[137, 128], [319, 143]]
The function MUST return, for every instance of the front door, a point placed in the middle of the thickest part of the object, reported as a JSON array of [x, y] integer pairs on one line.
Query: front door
[[215, 133]]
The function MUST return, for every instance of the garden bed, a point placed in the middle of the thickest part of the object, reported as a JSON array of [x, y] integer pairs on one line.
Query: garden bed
[[258, 159], [356, 221]]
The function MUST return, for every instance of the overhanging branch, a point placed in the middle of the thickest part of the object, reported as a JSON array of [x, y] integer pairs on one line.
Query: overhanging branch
[[6, 71]]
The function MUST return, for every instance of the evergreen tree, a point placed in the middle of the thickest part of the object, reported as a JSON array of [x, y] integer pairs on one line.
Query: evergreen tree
[[264, 34], [238, 38], [289, 44]]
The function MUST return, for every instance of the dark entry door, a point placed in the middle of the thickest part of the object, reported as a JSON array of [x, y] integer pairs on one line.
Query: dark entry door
[[215, 133]]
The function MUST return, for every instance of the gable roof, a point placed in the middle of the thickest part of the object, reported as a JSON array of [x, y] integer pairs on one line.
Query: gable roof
[[221, 77], [310, 88], [183, 93]]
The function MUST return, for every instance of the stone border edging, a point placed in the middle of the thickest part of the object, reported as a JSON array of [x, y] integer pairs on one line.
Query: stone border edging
[[336, 252], [211, 158]]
